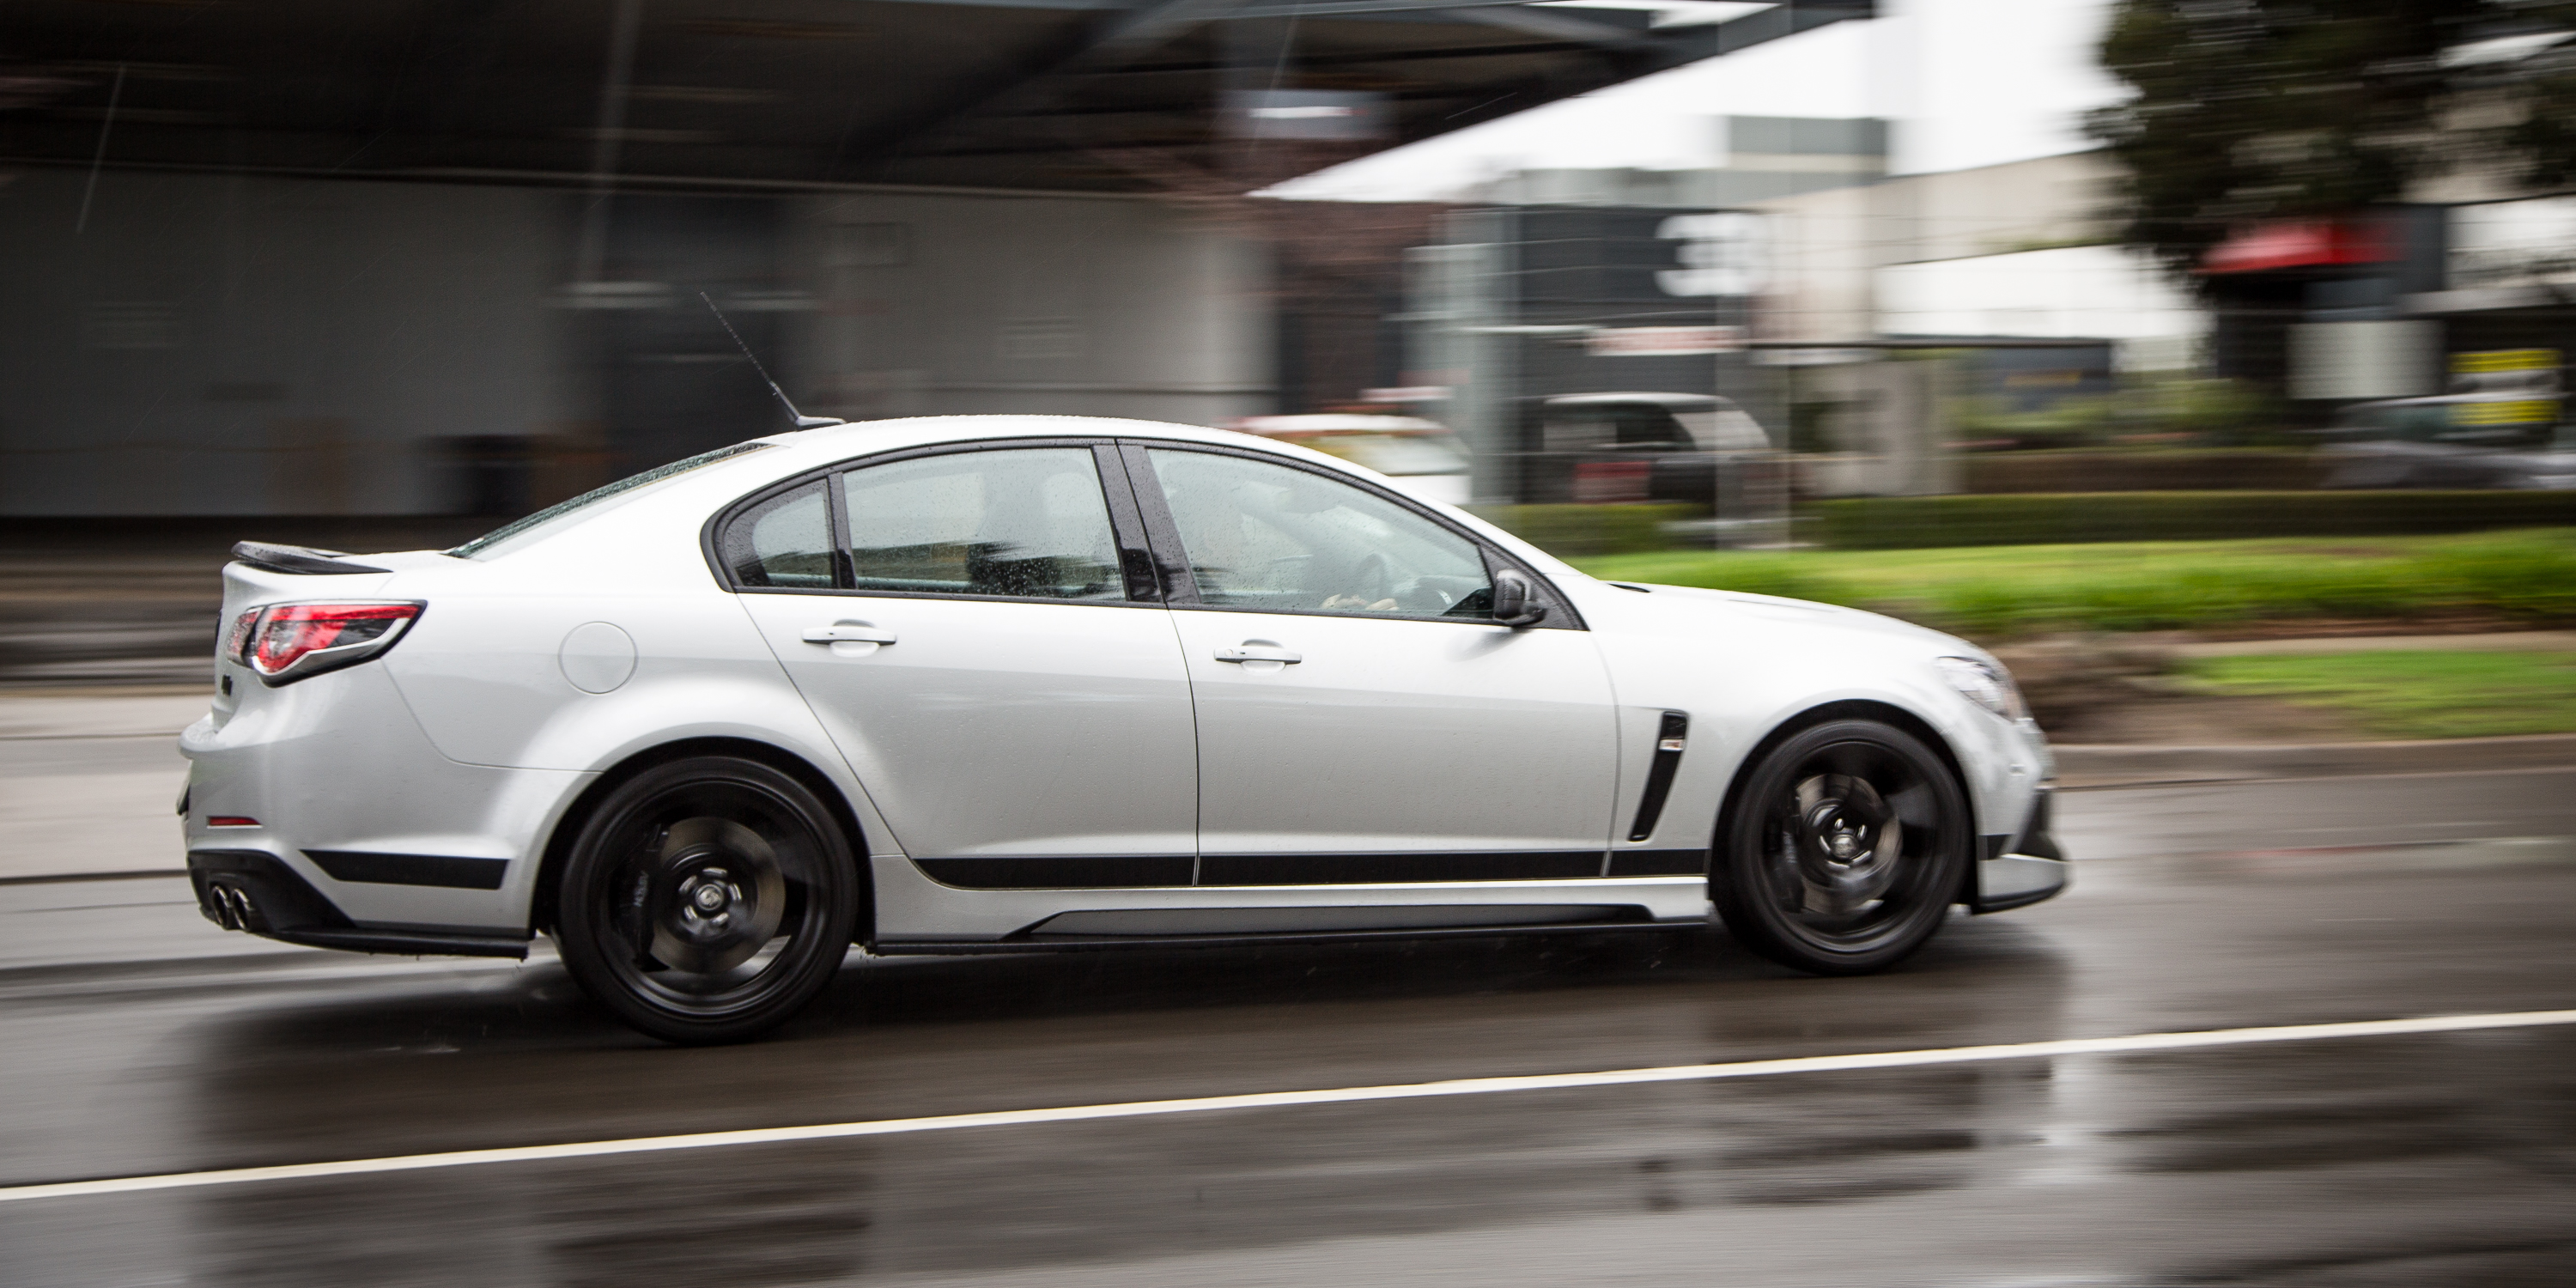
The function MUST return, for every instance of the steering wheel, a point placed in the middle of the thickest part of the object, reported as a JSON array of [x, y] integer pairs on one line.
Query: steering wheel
[[1372, 579]]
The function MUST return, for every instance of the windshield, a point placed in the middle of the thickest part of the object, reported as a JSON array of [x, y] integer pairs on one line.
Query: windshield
[[508, 534]]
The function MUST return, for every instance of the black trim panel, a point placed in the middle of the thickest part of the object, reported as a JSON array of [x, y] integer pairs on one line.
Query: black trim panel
[[1083, 872], [267, 897], [1672, 729], [411, 869], [2009, 902], [1135, 551], [410, 943], [1300, 919], [1162, 534], [1072, 943], [1380, 869], [2036, 839], [1658, 863], [254, 891]]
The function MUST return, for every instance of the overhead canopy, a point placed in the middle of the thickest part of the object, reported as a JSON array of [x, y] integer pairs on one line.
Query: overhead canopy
[[1020, 94]]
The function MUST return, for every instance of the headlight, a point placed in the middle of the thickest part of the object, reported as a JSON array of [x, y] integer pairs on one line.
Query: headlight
[[1986, 684]]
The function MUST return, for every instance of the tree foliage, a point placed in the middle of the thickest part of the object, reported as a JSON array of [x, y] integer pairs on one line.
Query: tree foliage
[[2258, 109]]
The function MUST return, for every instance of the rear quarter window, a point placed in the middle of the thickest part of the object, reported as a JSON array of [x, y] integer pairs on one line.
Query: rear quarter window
[[785, 541]]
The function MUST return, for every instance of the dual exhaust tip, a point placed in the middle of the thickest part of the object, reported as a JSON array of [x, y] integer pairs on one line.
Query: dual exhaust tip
[[230, 907]]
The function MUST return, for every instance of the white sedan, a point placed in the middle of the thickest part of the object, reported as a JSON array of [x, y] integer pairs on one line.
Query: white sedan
[[1010, 683]]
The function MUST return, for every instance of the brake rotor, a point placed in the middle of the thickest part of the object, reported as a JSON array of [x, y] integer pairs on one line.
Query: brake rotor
[[719, 894], [1847, 841]]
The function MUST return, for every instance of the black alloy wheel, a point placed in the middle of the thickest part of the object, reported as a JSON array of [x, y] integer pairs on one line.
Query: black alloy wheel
[[707, 900], [1844, 851]]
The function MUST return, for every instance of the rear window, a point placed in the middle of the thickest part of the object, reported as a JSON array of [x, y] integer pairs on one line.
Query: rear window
[[503, 539]]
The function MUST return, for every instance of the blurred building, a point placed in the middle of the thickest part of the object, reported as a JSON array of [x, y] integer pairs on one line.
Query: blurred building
[[239, 344], [410, 257], [1766, 157], [2381, 303], [2022, 250], [1576, 284], [1521, 305]]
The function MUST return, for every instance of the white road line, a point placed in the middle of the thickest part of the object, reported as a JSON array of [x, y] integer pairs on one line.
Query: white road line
[[1281, 1099]]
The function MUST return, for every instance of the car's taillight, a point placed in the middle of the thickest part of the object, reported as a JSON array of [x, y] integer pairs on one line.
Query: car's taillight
[[238, 638], [285, 642]]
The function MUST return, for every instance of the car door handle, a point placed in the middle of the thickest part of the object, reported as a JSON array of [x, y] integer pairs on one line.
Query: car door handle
[[848, 633], [1251, 652]]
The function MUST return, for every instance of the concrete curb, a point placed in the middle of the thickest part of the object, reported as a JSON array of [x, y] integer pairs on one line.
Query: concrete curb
[[2111, 765]]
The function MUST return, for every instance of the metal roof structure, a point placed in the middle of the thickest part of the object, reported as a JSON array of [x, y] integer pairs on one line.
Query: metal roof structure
[[784, 94]]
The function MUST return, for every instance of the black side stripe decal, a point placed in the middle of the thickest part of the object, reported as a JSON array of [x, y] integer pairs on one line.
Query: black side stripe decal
[[1374, 869], [1079, 872], [411, 869], [1124, 871], [1670, 737], [1658, 863]]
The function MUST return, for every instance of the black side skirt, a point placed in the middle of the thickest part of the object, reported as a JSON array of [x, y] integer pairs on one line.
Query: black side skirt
[[1177, 871]]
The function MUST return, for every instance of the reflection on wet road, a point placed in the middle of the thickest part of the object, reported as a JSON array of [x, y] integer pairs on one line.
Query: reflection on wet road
[[2429, 1158]]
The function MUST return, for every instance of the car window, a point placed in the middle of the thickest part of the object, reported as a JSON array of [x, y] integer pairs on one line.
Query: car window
[[1270, 536], [2421, 424], [1027, 522], [1592, 427], [784, 541]]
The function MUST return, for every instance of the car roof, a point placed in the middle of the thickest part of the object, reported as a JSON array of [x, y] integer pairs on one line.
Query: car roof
[[809, 447]]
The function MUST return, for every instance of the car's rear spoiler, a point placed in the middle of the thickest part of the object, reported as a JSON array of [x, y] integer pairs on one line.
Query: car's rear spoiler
[[297, 559]]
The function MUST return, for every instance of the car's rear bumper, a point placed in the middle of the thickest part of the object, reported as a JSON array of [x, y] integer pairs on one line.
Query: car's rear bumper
[[254, 891], [332, 780]]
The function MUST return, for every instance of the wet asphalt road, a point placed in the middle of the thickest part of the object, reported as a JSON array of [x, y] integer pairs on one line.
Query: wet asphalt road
[[2431, 1159]]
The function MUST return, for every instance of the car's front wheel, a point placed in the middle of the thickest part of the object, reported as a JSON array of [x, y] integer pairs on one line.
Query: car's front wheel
[[1844, 849], [707, 899]]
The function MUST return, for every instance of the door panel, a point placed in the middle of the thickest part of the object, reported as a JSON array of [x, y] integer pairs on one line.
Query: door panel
[[1016, 720], [990, 728], [1397, 750], [1360, 717]]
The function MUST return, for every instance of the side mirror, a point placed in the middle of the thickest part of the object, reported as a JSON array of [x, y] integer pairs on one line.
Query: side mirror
[[1512, 606]]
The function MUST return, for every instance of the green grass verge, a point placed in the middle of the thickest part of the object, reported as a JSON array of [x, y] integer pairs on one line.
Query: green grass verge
[[2411, 694], [1993, 591], [1907, 522]]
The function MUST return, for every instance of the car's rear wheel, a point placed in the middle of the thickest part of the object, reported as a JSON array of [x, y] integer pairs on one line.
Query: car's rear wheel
[[1844, 850], [707, 899]]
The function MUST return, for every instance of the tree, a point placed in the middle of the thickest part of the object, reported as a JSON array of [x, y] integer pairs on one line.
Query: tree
[[2265, 109]]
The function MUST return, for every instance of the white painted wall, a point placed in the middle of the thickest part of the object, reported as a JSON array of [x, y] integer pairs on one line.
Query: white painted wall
[[2070, 291], [1828, 248]]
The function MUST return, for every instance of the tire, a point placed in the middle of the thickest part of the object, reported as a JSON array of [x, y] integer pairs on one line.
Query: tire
[[707, 900], [1844, 850]]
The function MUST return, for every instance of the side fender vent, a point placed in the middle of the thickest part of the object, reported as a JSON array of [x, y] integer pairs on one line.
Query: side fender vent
[[1671, 735]]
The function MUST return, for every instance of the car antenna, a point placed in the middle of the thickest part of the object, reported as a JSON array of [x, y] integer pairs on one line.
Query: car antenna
[[802, 420]]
